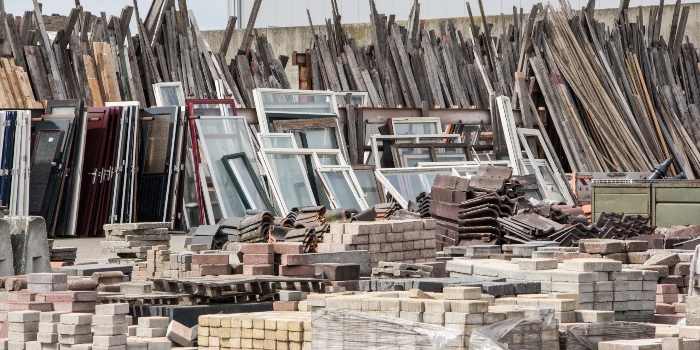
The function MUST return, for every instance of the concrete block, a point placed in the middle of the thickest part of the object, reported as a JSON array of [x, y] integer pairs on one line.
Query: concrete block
[[411, 316], [666, 259], [592, 264], [601, 246], [23, 316], [73, 329], [76, 318], [29, 244], [112, 309], [151, 332], [153, 322], [437, 318], [469, 306], [109, 340], [461, 293], [594, 316], [135, 288], [537, 264], [338, 272]]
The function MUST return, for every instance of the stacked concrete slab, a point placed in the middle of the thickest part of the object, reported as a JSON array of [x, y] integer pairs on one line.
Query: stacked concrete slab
[[29, 245], [408, 241], [48, 329], [23, 328], [132, 240], [601, 283]]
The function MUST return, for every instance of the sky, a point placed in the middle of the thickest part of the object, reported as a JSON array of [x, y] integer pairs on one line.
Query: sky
[[213, 14]]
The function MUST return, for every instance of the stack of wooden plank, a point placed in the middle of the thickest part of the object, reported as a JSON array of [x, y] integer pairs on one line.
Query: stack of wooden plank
[[96, 59]]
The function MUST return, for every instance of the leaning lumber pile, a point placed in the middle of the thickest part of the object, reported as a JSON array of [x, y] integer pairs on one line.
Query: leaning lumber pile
[[96, 59]]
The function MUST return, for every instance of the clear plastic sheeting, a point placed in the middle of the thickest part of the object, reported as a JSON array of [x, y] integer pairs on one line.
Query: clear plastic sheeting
[[587, 336], [535, 330], [336, 329]]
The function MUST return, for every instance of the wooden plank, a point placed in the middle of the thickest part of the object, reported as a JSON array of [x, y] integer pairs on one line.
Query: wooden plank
[[249, 27], [226, 41], [56, 74], [93, 81], [352, 129], [38, 73], [13, 83]]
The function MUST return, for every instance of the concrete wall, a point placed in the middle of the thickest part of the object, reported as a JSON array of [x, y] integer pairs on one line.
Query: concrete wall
[[286, 40]]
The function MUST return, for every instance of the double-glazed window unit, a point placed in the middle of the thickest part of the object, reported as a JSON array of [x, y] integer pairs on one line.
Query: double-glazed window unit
[[298, 176], [304, 107], [219, 137], [276, 140], [405, 184]]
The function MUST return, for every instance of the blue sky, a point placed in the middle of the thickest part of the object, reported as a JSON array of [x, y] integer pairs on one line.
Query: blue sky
[[212, 14]]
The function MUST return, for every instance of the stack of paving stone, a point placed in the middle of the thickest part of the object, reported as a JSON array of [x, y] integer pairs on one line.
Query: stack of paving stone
[[259, 259], [74, 328], [47, 282], [108, 281], [601, 283], [48, 329], [109, 326], [23, 328], [70, 301], [463, 309], [132, 240], [688, 338], [669, 309], [399, 270], [590, 335], [65, 255], [341, 277], [407, 241], [290, 260], [260, 330], [154, 331]]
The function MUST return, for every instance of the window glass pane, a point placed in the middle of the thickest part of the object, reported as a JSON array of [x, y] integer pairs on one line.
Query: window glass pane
[[368, 185], [220, 137], [245, 179], [415, 128], [276, 141], [410, 185], [170, 96], [290, 172], [296, 103], [340, 189], [212, 109], [321, 138]]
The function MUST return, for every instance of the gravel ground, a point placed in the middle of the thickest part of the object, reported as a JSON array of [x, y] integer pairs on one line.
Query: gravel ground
[[90, 250]]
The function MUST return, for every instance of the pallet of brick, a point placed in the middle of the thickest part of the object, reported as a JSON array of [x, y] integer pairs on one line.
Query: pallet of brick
[[601, 283], [668, 309], [536, 330], [70, 301], [260, 330], [586, 336], [406, 241], [387, 269], [370, 331], [132, 240]]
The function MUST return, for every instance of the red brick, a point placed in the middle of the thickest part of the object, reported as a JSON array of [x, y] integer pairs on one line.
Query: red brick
[[258, 259], [209, 259], [295, 259], [77, 306], [28, 305], [438, 268], [668, 319], [288, 248], [297, 270], [666, 289], [285, 306], [254, 270], [21, 296], [350, 286], [667, 298], [257, 248], [662, 308], [214, 269], [67, 296]]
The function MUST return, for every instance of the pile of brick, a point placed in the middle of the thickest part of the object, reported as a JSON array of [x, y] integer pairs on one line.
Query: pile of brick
[[463, 309], [400, 270], [688, 338], [261, 330], [108, 281], [406, 241], [131, 240], [62, 255], [669, 307], [601, 283]]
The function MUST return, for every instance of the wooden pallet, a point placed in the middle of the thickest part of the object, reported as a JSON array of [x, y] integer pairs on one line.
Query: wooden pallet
[[236, 287], [143, 299]]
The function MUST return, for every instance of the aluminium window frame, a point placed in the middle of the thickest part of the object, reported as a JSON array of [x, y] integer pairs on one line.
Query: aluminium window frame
[[260, 137], [416, 120]]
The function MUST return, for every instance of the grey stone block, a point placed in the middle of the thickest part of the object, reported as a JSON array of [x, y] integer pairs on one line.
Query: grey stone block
[[537, 264], [30, 245], [360, 257]]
